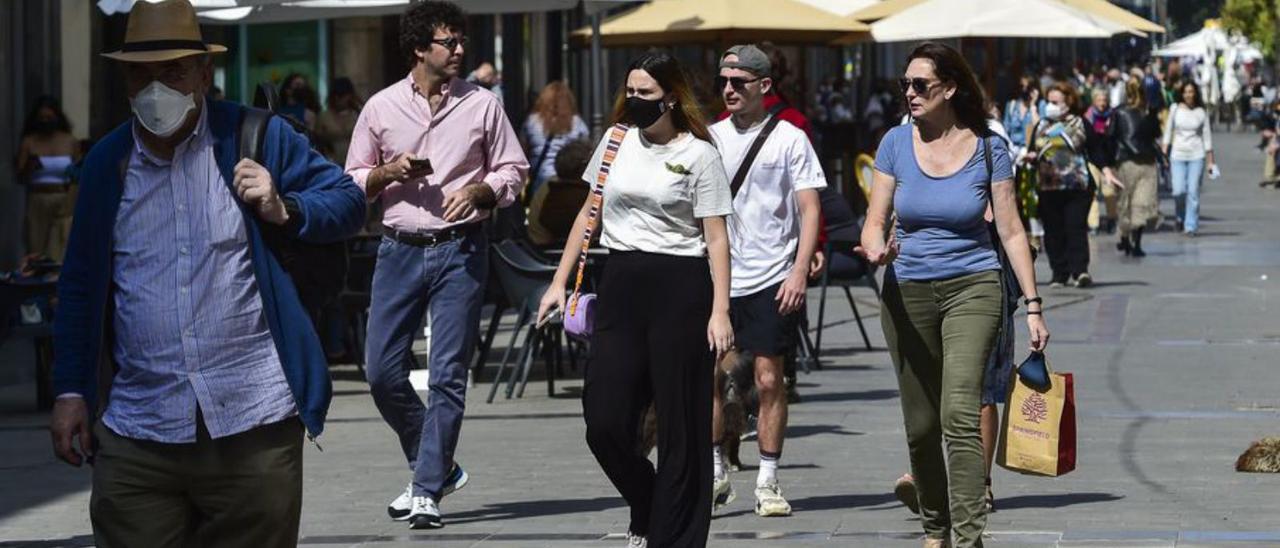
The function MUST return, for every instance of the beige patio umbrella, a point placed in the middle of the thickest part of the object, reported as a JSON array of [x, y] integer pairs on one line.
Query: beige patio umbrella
[[724, 22], [1115, 13], [939, 19]]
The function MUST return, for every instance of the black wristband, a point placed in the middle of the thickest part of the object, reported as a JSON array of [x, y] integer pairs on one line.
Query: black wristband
[[1035, 312], [1035, 300]]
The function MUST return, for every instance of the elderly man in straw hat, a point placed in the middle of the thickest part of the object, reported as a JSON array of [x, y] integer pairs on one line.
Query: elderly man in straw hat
[[187, 368]]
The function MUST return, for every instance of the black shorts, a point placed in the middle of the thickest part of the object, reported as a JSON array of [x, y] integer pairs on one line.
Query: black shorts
[[759, 328]]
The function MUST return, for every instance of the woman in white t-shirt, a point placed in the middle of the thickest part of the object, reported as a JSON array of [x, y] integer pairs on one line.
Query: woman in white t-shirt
[[1188, 142], [662, 306]]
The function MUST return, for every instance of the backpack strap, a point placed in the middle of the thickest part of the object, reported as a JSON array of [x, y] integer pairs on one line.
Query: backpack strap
[[253, 132], [741, 176], [616, 135]]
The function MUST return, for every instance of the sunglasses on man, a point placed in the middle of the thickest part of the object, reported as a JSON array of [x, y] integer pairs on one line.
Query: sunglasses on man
[[451, 43], [920, 85], [737, 82]]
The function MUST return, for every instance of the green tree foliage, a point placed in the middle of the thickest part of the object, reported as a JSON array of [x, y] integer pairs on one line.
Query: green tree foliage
[[1256, 19]]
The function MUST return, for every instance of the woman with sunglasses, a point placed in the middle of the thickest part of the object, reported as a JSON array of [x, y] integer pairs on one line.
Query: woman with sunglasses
[[1064, 187], [663, 303], [942, 295]]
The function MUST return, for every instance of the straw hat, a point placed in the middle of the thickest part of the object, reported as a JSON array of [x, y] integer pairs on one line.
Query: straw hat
[[162, 31]]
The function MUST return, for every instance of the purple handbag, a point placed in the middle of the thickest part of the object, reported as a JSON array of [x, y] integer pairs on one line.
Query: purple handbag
[[580, 319]]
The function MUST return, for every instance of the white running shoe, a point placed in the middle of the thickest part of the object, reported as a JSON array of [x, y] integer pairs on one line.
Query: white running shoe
[[769, 501], [722, 492], [425, 514], [636, 541], [400, 507]]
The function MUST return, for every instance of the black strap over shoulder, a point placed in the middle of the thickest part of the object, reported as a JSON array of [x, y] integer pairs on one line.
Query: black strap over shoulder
[[741, 176], [253, 131]]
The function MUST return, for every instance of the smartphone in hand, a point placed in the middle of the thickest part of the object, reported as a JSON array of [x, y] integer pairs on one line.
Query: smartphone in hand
[[552, 316], [421, 166]]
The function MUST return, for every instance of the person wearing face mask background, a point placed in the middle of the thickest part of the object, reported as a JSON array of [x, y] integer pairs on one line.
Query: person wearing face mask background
[[45, 160], [187, 370], [663, 303], [1064, 186]]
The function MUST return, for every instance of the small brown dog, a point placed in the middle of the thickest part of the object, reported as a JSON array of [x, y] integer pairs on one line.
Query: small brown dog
[[1262, 456], [735, 376]]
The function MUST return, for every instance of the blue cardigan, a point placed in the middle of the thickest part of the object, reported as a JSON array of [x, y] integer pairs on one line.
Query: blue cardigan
[[332, 208]]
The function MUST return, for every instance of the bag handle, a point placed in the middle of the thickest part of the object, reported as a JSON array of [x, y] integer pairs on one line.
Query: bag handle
[[741, 175], [616, 135]]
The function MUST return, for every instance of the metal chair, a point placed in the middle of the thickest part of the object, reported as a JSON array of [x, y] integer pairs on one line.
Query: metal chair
[[524, 278]]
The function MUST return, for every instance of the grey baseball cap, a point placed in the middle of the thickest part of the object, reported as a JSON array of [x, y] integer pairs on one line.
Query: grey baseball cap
[[750, 58]]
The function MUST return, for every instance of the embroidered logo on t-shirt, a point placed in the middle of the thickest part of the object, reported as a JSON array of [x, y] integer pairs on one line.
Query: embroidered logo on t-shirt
[[678, 168]]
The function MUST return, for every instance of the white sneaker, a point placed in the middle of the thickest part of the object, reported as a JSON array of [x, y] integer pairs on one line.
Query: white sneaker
[[636, 541], [722, 492], [769, 501], [425, 514], [400, 507]]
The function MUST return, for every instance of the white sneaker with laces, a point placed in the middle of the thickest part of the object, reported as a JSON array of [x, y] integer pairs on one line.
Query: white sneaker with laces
[[722, 492], [425, 514], [400, 507], [636, 541], [769, 501]]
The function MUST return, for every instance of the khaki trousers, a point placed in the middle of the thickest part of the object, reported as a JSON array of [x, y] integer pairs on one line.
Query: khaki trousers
[[49, 222]]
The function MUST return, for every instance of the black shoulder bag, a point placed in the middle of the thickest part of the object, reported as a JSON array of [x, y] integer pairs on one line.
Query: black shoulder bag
[[741, 175]]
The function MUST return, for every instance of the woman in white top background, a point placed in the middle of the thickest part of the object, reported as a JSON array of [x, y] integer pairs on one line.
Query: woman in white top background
[[45, 159], [1188, 142], [662, 305]]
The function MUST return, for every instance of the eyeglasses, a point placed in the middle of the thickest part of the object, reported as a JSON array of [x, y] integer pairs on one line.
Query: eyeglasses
[[919, 85], [738, 83], [451, 43]]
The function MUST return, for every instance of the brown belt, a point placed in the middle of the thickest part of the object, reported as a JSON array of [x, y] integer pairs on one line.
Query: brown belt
[[48, 189]]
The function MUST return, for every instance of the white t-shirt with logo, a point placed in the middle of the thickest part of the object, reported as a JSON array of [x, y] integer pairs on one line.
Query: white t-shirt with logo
[[656, 195], [764, 231]]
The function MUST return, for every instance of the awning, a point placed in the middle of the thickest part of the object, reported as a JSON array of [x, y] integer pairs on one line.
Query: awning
[[1115, 13], [275, 11], [939, 19], [843, 8], [725, 22], [883, 9]]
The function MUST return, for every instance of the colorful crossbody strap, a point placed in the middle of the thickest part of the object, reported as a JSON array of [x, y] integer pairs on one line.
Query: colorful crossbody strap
[[616, 135]]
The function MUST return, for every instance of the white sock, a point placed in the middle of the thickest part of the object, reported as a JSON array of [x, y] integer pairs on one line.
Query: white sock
[[768, 471], [719, 461]]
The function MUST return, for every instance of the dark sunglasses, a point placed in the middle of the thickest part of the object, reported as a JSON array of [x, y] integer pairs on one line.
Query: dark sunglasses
[[451, 43], [738, 83], [920, 85]]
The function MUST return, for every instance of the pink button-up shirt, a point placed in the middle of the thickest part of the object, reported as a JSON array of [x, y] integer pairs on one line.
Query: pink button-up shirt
[[468, 140]]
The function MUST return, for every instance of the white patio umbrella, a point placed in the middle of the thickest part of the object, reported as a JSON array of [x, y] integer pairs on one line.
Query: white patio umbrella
[[842, 8], [1195, 44], [276, 11], [938, 19]]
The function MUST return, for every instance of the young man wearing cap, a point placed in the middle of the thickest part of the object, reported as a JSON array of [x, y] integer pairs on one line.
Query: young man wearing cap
[[441, 154], [773, 235], [176, 324]]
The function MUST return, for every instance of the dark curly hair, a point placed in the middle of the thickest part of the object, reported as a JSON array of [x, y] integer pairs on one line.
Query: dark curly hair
[[61, 123], [419, 23], [950, 66]]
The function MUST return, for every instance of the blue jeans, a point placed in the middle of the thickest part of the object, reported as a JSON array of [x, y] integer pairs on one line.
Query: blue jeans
[[1186, 176], [450, 280]]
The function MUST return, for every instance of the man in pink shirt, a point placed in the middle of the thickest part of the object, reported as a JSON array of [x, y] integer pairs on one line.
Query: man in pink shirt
[[441, 155]]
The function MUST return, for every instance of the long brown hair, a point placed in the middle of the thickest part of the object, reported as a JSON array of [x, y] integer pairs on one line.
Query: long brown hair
[[949, 66], [664, 68], [556, 108], [1069, 93]]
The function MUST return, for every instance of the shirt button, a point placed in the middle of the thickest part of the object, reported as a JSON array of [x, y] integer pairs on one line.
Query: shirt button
[[190, 332], [182, 207], [185, 290], [182, 250]]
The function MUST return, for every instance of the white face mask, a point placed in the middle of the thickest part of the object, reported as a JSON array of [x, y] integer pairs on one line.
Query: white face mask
[[162, 109], [1052, 111]]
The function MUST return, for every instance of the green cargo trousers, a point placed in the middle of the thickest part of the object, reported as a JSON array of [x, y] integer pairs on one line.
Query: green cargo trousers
[[939, 334], [240, 491]]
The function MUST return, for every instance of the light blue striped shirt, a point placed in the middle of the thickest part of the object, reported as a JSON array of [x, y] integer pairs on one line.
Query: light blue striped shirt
[[189, 327]]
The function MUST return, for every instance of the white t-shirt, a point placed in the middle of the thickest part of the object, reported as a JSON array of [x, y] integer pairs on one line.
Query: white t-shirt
[[656, 194], [1188, 129], [764, 231]]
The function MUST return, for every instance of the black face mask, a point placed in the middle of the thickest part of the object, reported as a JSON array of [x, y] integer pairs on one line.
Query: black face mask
[[45, 127], [643, 112]]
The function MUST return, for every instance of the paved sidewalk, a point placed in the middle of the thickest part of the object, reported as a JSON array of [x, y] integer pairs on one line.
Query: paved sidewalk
[[1175, 364]]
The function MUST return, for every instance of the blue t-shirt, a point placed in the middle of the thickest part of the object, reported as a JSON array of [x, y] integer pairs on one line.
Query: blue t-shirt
[[941, 228]]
